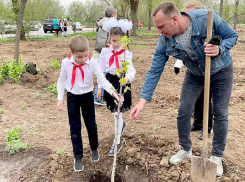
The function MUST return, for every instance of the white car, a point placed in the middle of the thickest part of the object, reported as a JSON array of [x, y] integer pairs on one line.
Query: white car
[[78, 26]]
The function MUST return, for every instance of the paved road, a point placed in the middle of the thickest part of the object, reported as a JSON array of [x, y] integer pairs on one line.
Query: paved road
[[40, 32]]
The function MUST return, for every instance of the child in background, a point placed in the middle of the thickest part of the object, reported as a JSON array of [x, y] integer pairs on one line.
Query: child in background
[[109, 62], [61, 28], [65, 28], [76, 77]]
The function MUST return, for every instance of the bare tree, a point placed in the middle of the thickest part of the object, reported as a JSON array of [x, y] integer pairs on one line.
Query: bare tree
[[18, 32]]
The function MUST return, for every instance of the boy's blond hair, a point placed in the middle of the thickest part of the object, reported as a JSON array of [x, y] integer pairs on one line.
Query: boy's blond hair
[[78, 43], [193, 4]]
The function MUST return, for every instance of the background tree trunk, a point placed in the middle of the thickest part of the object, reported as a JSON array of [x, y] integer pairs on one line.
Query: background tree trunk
[[221, 7], [18, 31], [235, 14], [134, 7], [149, 14], [16, 9]]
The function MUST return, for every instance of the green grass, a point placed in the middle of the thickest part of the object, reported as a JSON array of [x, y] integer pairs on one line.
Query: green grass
[[88, 35], [137, 47]]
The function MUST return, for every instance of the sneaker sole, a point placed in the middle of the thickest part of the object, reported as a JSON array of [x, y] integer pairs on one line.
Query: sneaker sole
[[76, 169], [99, 104], [111, 155]]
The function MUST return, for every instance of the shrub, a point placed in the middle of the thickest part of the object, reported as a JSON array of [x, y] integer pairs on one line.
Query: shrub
[[11, 70]]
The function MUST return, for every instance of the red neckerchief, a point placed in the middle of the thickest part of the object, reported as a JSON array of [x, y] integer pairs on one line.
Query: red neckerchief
[[114, 55], [74, 72]]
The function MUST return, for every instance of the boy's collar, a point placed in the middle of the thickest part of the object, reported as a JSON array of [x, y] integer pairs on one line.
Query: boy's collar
[[72, 60]]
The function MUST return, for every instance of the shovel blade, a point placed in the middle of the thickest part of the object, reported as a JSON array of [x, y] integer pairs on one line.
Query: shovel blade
[[201, 174]]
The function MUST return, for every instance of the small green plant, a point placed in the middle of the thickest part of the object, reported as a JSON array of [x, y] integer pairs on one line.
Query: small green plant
[[60, 152], [23, 106], [13, 141], [54, 64], [12, 70], [1, 111], [52, 89]]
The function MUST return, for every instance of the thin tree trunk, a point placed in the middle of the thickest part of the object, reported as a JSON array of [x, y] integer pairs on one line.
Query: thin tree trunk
[[18, 31], [235, 16], [149, 14], [221, 7]]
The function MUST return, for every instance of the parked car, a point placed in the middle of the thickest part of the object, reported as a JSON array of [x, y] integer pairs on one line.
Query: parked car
[[34, 25], [48, 26], [78, 26], [10, 28]]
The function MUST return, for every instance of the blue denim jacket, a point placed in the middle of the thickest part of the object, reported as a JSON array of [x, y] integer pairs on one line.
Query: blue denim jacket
[[196, 64]]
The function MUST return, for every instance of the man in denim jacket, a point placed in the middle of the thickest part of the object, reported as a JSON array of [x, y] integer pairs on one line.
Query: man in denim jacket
[[183, 37]]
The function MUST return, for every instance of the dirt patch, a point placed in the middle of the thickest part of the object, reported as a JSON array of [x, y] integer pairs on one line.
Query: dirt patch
[[147, 143]]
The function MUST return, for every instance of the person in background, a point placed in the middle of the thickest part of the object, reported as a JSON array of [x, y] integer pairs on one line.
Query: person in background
[[74, 27], [61, 28], [183, 36], [65, 28], [56, 26], [198, 109], [110, 13], [139, 24], [76, 76]]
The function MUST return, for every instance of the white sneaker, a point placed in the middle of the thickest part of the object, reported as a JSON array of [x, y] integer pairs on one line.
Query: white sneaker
[[218, 161], [100, 103], [180, 155]]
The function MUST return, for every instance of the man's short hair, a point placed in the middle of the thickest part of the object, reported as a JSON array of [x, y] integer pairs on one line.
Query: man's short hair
[[78, 43], [109, 11], [193, 4], [168, 8]]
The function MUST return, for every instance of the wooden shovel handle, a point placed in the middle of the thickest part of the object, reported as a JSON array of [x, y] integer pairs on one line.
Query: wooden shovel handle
[[207, 86]]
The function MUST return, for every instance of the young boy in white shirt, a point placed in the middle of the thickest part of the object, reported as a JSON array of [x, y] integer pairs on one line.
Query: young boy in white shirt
[[76, 77]]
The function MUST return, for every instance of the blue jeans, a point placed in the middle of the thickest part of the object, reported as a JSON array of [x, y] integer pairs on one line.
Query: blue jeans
[[95, 93], [221, 86]]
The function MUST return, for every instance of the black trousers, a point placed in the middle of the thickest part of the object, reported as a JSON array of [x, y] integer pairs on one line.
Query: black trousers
[[198, 112], [85, 102]]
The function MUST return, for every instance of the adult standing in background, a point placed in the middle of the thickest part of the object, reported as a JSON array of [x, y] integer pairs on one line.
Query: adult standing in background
[[56, 26], [183, 36], [74, 27], [110, 12]]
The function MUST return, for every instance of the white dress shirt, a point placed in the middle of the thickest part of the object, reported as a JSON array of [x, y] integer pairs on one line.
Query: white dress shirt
[[90, 68], [105, 55]]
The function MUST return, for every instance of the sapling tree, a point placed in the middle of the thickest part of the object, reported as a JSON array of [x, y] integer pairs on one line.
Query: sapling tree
[[124, 41]]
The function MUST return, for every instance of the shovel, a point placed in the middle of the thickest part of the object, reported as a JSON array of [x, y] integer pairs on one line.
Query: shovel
[[202, 169]]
